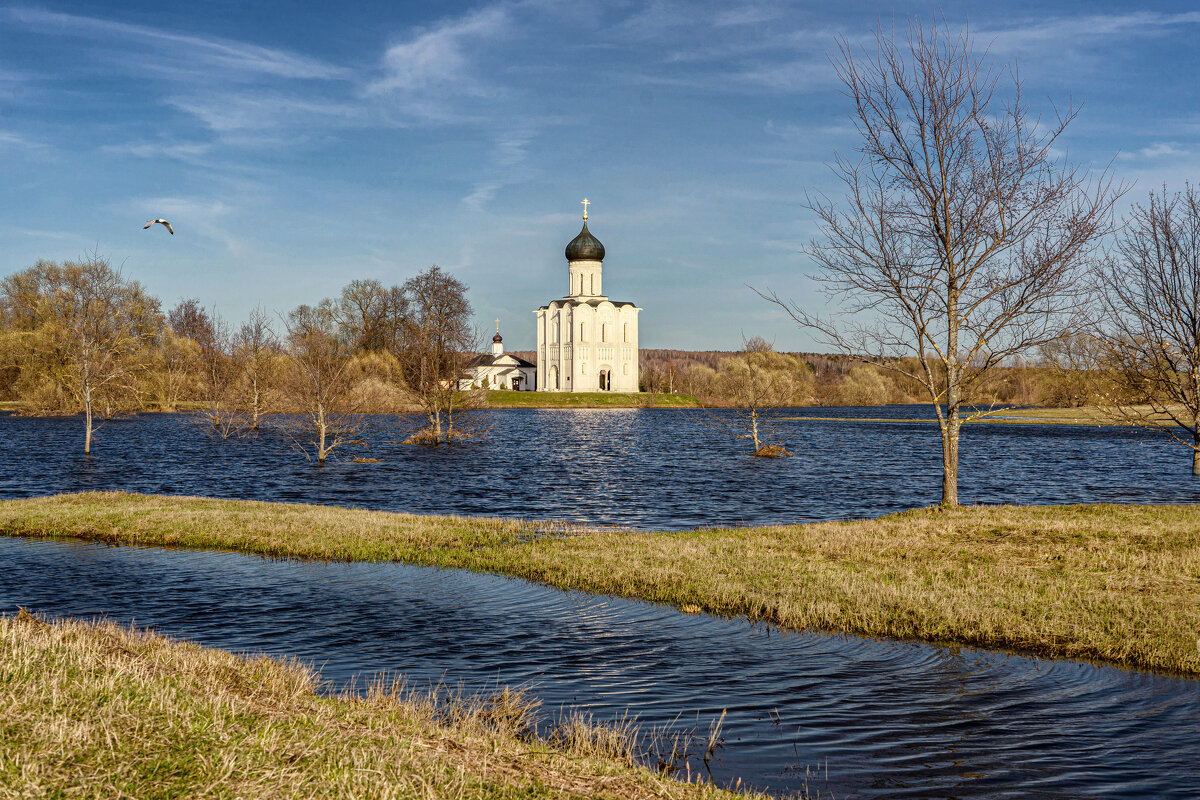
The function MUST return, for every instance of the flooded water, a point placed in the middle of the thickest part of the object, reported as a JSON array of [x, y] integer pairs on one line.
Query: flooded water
[[661, 469], [865, 718], [860, 718]]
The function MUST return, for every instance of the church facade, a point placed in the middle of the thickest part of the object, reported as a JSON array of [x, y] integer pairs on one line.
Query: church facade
[[586, 342]]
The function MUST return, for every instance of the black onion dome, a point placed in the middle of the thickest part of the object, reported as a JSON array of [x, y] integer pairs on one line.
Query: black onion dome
[[497, 338], [585, 247]]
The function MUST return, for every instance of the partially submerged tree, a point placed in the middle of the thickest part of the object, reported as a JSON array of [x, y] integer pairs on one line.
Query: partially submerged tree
[[89, 335], [758, 383], [1151, 293], [317, 385], [963, 236], [256, 355], [218, 377], [439, 344]]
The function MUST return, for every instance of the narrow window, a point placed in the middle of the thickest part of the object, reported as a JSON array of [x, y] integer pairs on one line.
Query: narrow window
[[593, 283], [626, 331], [582, 336], [604, 332]]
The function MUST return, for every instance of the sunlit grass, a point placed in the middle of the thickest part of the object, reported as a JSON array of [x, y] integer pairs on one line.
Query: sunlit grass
[[101, 711], [1108, 582]]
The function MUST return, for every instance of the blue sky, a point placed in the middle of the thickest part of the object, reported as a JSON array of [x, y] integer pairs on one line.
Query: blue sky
[[296, 149]]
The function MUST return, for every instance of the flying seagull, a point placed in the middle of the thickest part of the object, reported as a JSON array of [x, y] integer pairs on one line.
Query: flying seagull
[[162, 222]]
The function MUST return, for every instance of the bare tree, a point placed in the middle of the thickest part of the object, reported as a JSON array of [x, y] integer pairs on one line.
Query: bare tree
[[256, 357], [439, 344], [372, 316], [189, 318], [962, 237], [90, 334], [1151, 293], [317, 384], [758, 383], [218, 375]]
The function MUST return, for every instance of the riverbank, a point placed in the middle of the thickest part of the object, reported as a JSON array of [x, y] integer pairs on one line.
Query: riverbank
[[96, 710], [1114, 583]]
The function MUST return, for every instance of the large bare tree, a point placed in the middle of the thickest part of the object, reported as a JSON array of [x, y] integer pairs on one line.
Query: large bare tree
[[439, 344], [89, 334], [962, 237], [1151, 293], [317, 383]]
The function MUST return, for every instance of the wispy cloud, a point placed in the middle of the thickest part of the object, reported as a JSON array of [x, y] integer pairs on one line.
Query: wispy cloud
[[265, 111], [1072, 31], [507, 166], [436, 58], [1159, 150], [191, 152], [8, 139], [173, 53]]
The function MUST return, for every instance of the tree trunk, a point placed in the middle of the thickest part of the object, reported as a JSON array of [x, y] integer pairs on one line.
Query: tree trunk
[[321, 435], [1196, 452], [950, 460], [87, 435]]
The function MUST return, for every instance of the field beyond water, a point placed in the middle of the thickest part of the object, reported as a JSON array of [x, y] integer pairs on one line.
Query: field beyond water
[[1115, 583], [100, 711]]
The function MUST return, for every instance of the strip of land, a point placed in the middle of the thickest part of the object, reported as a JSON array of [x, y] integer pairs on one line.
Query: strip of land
[[500, 399], [1115, 583], [99, 711]]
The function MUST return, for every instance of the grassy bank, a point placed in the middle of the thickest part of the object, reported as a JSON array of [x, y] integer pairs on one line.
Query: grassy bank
[[1107, 582], [498, 398], [1083, 415], [100, 711]]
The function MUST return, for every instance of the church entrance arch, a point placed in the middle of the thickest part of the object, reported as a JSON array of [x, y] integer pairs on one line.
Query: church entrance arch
[[554, 377], [605, 381]]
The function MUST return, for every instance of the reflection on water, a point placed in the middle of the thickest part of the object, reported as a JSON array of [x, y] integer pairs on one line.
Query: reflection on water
[[887, 719], [633, 467]]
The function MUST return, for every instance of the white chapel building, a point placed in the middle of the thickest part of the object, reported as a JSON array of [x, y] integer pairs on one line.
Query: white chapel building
[[586, 342], [500, 370]]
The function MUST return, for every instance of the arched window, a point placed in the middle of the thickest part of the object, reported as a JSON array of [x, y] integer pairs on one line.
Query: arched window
[[604, 332], [626, 331], [554, 330], [593, 283], [582, 333]]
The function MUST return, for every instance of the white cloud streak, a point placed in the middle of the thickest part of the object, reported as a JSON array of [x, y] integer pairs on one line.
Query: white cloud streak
[[170, 53]]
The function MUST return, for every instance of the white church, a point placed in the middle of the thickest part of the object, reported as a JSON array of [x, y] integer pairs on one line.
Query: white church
[[586, 342]]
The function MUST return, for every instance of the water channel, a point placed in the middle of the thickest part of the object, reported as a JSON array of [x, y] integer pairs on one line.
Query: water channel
[[846, 717]]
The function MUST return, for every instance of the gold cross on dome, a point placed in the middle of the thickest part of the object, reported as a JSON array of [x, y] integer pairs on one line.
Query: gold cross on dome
[[497, 324], [585, 205]]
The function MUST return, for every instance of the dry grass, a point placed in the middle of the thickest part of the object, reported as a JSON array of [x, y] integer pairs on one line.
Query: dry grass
[[99, 711], [1106, 582]]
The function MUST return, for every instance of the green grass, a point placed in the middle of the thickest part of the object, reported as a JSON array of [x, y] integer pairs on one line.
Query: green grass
[[498, 398], [1107, 582], [98, 711]]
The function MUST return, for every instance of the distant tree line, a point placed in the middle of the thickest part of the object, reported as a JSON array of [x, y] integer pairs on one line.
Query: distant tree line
[[1043, 378]]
